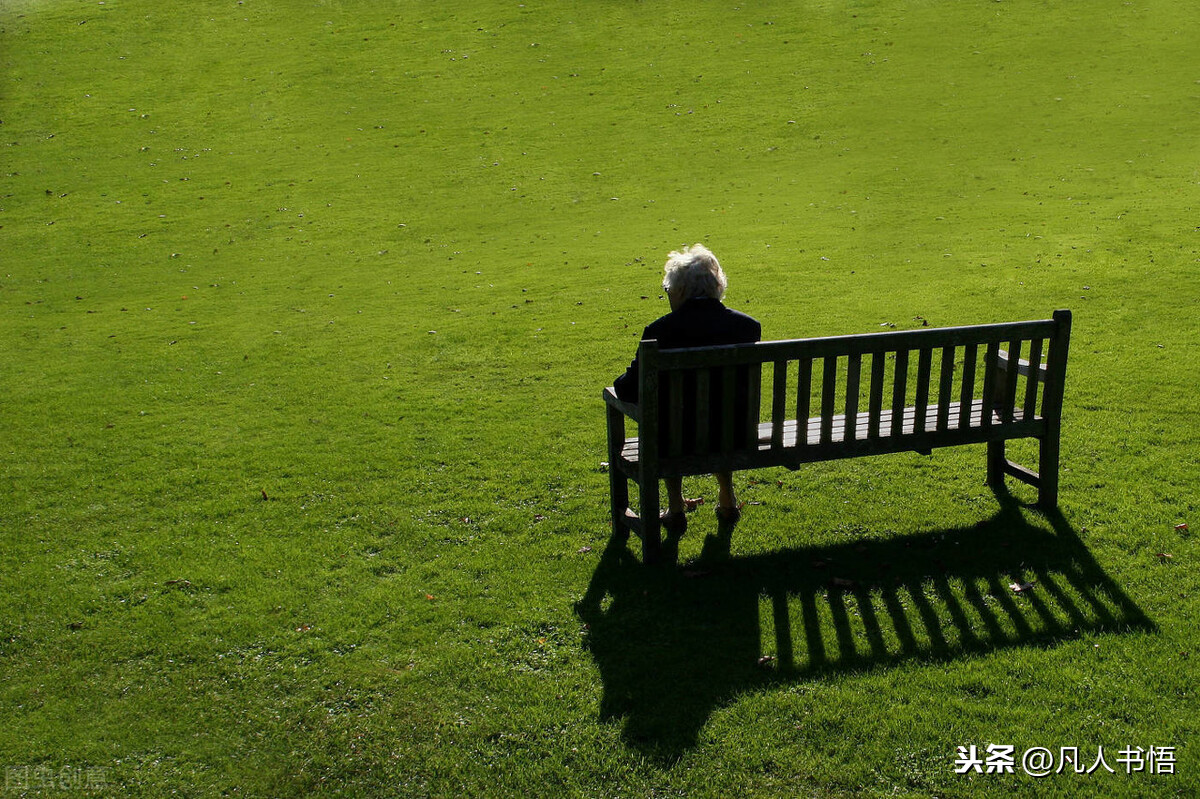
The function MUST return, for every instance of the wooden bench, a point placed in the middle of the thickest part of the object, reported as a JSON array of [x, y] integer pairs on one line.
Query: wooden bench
[[853, 395]]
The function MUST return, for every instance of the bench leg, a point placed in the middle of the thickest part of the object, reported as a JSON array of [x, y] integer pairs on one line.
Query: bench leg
[[648, 511], [618, 481], [618, 492], [1048, 471], [996, 461]]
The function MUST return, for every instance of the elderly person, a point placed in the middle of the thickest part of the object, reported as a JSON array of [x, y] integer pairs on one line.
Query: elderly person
[[695, 285]]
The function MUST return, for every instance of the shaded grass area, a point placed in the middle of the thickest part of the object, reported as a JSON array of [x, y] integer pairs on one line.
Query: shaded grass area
[[306, 311], [728, 624]]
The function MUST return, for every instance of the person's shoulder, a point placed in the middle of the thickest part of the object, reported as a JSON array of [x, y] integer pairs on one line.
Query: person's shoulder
[[741, 316], [662, 324], [746, 326]]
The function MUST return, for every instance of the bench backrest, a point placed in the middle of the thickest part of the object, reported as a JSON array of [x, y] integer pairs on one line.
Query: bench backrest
[[877, 392]]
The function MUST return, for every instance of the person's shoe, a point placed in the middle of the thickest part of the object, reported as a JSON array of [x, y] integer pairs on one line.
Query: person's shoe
[[729, 515], [674, 523]]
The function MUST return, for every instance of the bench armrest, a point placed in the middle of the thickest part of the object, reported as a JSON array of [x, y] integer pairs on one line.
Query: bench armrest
[[630, 409], [1002, 361]]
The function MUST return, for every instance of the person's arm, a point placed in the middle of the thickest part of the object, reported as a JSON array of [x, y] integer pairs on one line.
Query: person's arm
[[626, 385]]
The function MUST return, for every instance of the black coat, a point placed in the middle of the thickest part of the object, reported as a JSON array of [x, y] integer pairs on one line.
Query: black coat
[[699, 322]]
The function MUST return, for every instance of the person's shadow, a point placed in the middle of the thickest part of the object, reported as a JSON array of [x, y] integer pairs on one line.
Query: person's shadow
[[674, 644]]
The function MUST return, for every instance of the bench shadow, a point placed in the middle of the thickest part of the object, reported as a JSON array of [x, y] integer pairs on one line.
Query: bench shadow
[[674, 644]]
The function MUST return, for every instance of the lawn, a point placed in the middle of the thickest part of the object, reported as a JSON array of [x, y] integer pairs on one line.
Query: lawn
[[305, 312]]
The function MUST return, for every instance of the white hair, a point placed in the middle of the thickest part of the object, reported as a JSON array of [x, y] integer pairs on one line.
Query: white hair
[[694, 272]]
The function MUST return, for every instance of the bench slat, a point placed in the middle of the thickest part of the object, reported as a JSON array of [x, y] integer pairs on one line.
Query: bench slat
[[909, 437], [1034, 376], [728, 418], [899, 390], [945, 387], [893, 341], [853, 368], [675, 414], [703, 387], [754, 403], [989, 379], [804, 389], [967, 389], [828, 385], [778, 402], [875, 399], [922, 402], [1010, 380]]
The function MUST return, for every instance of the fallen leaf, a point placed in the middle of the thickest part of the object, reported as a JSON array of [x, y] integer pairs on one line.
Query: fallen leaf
[[841, 582], [584, 550], [1163, 556], [1021, 588], [1181, 528], [765, 661], [692, 504]]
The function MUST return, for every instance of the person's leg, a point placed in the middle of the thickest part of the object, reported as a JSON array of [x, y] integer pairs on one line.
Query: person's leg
[[726, 499], [674, 521], [728, 511], [674, 495]]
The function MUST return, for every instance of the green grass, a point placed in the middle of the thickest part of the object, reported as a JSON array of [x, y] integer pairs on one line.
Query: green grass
[[305, 311]]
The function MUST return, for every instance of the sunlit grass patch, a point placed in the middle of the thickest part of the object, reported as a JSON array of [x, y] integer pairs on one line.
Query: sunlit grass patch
[[306, 311]]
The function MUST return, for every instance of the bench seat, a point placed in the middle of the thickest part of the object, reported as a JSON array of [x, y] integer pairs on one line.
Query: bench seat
[[837, 447]]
